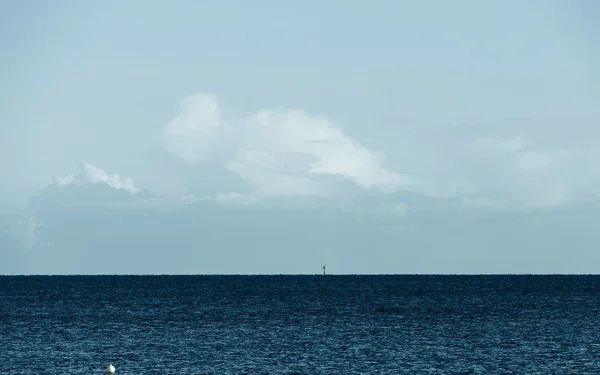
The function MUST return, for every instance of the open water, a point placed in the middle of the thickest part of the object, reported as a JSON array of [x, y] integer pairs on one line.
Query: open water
[[300, 324]]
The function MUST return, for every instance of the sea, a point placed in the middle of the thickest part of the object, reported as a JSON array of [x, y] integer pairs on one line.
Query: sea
[[334, 324]]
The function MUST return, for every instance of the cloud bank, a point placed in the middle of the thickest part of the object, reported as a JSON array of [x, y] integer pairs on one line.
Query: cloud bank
[[278, 152], [291, 153]]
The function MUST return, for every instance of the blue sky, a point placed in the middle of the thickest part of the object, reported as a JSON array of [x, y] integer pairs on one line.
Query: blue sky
[[411, 110]]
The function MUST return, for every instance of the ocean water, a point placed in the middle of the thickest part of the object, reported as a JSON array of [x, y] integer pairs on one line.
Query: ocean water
[[300, 324]]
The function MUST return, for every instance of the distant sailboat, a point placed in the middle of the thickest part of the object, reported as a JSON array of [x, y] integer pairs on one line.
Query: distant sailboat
[[324, 270]]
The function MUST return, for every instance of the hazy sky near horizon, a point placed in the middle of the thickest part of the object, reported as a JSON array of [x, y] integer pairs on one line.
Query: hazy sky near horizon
[[493, 103]]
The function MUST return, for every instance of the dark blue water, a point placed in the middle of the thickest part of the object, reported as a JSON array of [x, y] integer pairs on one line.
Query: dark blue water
[[300, 324]]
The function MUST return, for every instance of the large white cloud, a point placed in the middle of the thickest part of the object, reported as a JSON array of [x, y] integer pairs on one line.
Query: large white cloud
[[281, 152], [278, 152], [292, 140]]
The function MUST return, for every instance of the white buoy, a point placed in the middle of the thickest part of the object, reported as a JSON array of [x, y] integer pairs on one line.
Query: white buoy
[[110, 369]]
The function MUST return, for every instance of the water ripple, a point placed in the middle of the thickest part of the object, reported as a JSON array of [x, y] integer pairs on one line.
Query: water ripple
[[301, 324]]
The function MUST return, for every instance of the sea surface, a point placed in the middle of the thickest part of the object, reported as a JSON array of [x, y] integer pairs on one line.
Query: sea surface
[[300, 324]]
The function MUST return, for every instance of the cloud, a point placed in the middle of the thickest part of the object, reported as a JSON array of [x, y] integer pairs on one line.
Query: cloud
[[278, 152], [530, 173], [291, 153], [89, 186], [92, 174], [287, 138], [193, 135]]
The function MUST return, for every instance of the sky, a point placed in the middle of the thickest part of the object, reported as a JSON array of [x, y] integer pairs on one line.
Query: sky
[[407, 122]]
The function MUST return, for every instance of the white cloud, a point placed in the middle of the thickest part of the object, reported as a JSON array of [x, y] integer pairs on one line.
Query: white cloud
[[312, 145], [92, 174], [272, 183], [279, 152], [284, 153], [533, 175], [65, 181], [193, 134]]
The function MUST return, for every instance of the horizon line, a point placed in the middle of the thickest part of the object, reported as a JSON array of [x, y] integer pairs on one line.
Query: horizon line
[[296, 274]]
